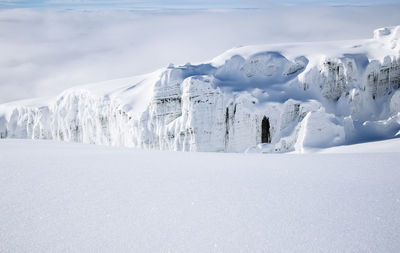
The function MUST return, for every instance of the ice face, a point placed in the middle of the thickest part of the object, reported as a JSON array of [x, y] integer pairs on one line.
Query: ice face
[[309, 98]]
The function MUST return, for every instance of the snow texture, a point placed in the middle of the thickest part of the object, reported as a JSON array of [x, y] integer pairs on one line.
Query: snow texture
[[69, 197], [298, 96]]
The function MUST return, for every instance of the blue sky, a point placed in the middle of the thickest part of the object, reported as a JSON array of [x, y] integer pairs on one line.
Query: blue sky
[[177, 3]]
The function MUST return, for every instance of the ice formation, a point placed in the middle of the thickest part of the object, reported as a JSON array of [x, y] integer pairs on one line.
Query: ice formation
[[268, 98]]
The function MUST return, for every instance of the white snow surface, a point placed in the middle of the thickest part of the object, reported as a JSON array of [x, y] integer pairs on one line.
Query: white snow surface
[[386, 146], [70, 197], [312, 95]]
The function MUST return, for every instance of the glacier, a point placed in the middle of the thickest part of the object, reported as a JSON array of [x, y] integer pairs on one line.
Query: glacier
[[263, 98]]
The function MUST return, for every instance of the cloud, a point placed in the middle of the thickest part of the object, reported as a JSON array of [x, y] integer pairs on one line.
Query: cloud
[[46, 51], [181, 4]]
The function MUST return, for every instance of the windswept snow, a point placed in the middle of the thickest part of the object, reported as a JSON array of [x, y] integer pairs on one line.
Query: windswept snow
[[386, 146], [68, 197], [348, 89]]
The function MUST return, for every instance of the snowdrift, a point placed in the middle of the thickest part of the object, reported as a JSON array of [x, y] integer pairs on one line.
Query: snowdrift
[[266, 98]]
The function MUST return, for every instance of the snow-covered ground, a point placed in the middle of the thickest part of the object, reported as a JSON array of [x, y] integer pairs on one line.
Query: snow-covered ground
[[68, 197], [386, 146]]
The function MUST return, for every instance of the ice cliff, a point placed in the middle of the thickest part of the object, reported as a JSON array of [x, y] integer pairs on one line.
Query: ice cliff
[[267, 98]]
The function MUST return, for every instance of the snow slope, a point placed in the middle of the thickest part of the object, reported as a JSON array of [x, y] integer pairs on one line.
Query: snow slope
[[290, 97], [68, 197], [386, 146]]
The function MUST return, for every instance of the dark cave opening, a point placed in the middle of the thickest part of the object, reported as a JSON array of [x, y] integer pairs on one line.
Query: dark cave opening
[[265, 134]]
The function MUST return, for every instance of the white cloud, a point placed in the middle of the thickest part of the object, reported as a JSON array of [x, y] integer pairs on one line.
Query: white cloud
[[46, 51]]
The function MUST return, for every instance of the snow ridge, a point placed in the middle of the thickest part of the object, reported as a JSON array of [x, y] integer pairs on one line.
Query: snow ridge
[[269, 98]]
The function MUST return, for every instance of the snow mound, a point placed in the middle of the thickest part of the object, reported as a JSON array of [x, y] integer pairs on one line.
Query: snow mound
[[286, 97], [389, 35]]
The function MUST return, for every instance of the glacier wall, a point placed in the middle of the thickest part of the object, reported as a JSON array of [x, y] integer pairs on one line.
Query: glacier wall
[[306, 101]]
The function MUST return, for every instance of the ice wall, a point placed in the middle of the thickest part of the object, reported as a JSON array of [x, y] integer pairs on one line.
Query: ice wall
[[306, 101]]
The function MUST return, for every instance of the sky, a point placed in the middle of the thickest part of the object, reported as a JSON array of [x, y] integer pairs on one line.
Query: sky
[[178, 3], [47, 46]]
